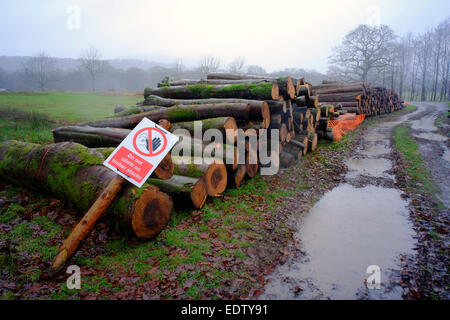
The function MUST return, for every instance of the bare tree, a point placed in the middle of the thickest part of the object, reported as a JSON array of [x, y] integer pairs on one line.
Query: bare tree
[[256, 70], [362, 50], [179, 67], [91, 62], [237, 65], [208, 64], [39, 68]]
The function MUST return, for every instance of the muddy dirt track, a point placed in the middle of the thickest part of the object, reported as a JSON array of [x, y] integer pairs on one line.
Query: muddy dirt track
[[365, 221]]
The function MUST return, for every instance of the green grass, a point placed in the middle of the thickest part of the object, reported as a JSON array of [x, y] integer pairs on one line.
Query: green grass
[[72, 106], [415, 168], [29, 126], [30, 116], [410, 108]]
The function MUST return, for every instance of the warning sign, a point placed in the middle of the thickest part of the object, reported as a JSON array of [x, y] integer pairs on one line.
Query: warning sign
[[141, 151]]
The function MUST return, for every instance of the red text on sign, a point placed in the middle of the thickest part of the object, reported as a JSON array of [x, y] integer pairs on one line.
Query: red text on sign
[[130, 164]]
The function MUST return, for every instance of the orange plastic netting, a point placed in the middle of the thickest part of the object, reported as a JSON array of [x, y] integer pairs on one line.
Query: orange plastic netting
[[344, 123]]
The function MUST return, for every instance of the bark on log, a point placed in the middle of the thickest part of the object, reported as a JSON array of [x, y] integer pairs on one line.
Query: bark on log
[[135, 110], [236, 177], [353, 104], [312, 141], [287, 160], [338, 97], [296, 151], [227, 125], [180, 113], [189, 144], [89, 136], [184, 187], [106, 137], [301, 141], [233, 76], [213, 171], [192, 82], [250, 91], [75, 174]]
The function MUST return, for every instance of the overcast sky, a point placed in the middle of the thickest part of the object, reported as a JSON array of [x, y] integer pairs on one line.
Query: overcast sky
[[274, 34]]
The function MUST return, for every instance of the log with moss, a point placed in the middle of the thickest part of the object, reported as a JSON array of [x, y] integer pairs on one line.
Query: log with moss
[[213, 171], [188, 146], [226, 125], [126, 111], [106, 137], [192, 82], [166, 102], [233, 76], [181, 113], [184, 188], [259, 110], [251, 91], [89, 136], [75, 174]]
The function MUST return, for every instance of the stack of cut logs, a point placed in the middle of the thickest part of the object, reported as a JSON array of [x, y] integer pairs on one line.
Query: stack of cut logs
[[227, 102], [71, 169], [358, 97]]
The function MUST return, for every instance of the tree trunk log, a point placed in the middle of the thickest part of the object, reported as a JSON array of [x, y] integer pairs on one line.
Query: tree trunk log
[[106, 137], [234, 76], [75, 174], [180, 113], [184, 187], [213, 171], [227, 125], [192, 82], [251, 91]]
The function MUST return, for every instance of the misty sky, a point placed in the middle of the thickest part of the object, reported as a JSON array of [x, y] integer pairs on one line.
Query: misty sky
[[274, 34]]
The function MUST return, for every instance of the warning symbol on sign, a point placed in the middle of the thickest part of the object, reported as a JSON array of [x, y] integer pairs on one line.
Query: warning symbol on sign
[[141, 151], [150, 142]]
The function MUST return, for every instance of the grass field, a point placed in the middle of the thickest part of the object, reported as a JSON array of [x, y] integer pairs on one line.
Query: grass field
[[29, 116], [71, 106]]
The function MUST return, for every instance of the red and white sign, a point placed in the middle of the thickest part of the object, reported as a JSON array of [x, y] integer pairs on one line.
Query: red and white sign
[[141, 151]]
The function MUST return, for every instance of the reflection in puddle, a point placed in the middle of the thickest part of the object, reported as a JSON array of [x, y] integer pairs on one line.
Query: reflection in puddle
[[431, 136], [374, 137], [446, 155], [426, 123], [345, 232], [371, 167], [375, 150]]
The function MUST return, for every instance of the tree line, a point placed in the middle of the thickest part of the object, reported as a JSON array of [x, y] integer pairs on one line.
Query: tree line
[[40, 73], [416, 66]]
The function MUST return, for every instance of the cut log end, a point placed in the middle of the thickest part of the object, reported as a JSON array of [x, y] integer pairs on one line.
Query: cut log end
[[199, 193], [275, 91], [216, 178], [165, 169], [151, 213]]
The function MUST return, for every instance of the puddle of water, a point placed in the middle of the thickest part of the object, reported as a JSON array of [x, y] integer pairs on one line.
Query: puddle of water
[[431, 136], [374, 137], [425, 123], [348, 230], [446, 155], [375, 150], [371, 167]]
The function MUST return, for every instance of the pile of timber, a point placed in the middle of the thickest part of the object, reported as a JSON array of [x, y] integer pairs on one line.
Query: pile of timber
[[71, 168], [233, 104], [358, 97]]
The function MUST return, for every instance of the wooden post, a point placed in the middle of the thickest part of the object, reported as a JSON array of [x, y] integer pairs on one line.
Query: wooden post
[[84, 227]]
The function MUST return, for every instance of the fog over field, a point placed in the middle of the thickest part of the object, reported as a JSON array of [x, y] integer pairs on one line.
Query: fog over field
[[143, 41]]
